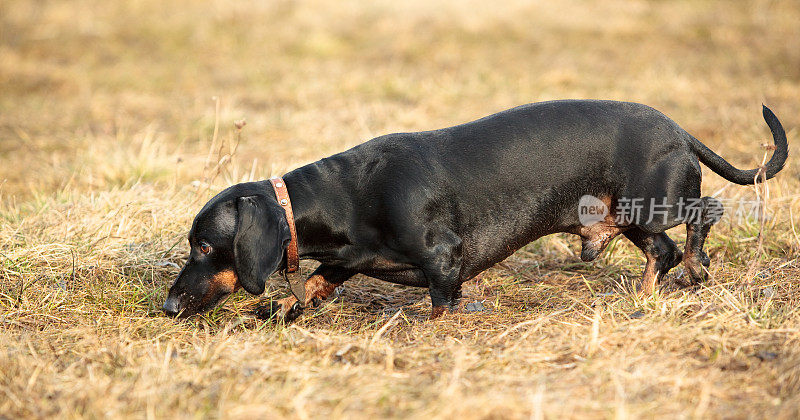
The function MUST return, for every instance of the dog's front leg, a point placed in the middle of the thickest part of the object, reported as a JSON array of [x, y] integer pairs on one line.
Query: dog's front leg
[[318, 286], [443, 271]]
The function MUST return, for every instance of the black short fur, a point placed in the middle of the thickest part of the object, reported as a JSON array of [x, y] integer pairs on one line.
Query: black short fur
[[435, 208]]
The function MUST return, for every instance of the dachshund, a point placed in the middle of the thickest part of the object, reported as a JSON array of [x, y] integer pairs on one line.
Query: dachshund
[[435, 208]]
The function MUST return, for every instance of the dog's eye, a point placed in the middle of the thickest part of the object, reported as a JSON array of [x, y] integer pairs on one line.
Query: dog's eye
[[205, 248]]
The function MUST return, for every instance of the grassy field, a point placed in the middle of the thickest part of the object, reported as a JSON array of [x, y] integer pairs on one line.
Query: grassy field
[[117, 124]]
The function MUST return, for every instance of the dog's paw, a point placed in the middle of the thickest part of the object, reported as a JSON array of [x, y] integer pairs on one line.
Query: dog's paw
[[268, 312], [293, 313], [277, 311], [704, 259], [696, 273]]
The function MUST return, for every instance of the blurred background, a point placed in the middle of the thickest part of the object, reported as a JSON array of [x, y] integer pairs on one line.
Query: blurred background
[[86, 84]]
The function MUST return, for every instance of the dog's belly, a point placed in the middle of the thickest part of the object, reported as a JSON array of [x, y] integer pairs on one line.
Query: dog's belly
[[494, 235], [410, 277], [477, 260], [387, 268]]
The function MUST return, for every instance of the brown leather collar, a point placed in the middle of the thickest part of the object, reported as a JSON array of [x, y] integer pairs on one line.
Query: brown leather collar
[[282, 194]]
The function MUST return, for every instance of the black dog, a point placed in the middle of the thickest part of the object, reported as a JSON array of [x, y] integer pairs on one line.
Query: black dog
[[435, 208]]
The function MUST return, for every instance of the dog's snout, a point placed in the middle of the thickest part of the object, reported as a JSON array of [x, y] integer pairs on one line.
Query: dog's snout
[[171, 307]]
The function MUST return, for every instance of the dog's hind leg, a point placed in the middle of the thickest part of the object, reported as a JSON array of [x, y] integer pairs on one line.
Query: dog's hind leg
[[595, 238], [662, 255], [698, 224]]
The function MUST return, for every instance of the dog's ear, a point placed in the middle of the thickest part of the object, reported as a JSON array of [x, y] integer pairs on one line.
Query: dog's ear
[[262, 235]]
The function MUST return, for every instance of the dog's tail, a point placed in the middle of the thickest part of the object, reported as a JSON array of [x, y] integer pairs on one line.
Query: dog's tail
[[747, 177]]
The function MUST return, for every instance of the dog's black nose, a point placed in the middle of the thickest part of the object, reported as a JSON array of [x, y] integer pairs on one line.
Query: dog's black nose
[[170, 307]]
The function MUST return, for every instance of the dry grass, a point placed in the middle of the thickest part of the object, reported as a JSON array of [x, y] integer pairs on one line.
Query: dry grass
[[106, 125]]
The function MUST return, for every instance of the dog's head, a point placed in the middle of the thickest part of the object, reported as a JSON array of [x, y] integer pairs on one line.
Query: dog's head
[[238, 239]]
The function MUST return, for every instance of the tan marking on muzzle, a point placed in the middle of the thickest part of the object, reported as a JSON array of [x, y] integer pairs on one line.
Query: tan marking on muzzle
[[225, 281]]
